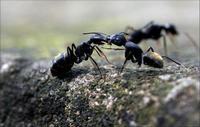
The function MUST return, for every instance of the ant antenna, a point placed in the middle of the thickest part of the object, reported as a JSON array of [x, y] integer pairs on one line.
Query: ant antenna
[[124, 33], [149, 23], [113, 48], [99, 33], [178, 63]]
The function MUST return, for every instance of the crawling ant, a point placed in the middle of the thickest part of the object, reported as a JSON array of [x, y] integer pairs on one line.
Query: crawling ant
[[132, 51], [65, 61], [155, 31]]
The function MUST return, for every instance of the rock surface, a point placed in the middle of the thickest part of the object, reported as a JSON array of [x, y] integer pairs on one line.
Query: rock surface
[[139, 97]]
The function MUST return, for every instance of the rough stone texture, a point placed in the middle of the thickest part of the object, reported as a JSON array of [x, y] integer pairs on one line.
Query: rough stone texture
[[145, 96]]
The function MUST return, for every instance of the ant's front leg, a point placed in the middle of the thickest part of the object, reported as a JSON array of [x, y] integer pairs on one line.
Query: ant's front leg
[[100, 53], [128, 56], [95, 65], [121, 70]]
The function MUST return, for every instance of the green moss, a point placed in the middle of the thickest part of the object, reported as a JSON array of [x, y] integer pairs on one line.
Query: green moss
[[144, 116], [160, 88]]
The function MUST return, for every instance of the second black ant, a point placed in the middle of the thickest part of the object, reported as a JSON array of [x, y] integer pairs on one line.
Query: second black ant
[[155, 31]]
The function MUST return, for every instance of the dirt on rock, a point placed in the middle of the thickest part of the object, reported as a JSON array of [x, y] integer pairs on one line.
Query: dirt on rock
[[30, 96]]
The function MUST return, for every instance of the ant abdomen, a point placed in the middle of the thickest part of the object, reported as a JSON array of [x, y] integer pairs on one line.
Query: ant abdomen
[[61, 64]]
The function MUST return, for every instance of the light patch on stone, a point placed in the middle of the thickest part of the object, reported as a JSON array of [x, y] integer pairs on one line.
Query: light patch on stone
[[108, 102], [180, 85], [5, 67], [165, 77]]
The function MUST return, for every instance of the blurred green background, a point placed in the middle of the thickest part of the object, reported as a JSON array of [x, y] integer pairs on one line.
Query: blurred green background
[[45, 28]]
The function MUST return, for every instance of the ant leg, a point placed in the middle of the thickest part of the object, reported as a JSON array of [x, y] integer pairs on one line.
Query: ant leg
[[158, 44], [73, 48], [100, 53], [69, 51], [192, 40], [172, 39], [95, 64], [150, 48], [149, 24], [145, 44], [178, 63], [123, 66], [165, 45], [113, 48], [133, 60]]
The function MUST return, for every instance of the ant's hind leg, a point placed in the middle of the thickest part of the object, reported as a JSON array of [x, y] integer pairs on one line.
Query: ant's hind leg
[[192, 41], [173, 40]]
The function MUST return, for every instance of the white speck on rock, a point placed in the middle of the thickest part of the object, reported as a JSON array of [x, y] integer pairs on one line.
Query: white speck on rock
[[180, 85], [51, 92], [165, 77], [110, 67], [146, 100], [5, 67], [51, 125], [132, 124], [109, 102]]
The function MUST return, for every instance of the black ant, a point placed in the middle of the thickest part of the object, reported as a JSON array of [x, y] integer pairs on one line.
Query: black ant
[[132, 51], [155, 31], [65, 61]]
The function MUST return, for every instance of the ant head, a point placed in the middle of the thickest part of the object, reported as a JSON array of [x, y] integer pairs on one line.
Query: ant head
[[118, 39], [171, 29], [153, 59]]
